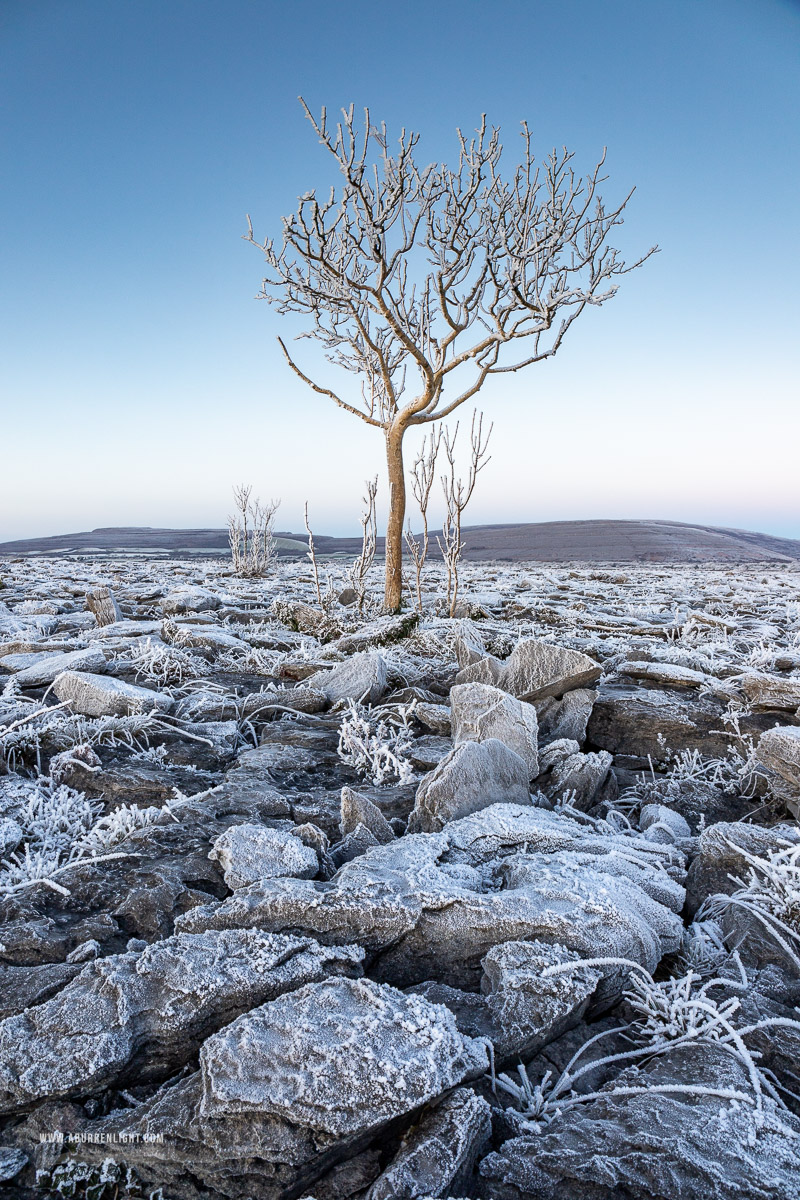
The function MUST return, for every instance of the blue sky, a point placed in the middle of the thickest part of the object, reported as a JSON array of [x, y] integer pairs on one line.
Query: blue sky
[[140, 378]]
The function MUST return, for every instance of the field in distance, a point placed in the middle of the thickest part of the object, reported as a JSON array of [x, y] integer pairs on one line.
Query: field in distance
[[545, 541]]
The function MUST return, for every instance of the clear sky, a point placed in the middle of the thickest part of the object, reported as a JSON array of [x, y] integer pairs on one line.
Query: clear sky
[[140, 378]]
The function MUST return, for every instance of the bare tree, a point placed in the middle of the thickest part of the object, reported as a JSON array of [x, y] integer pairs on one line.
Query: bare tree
[[457, 495], [250, 533], [369, 539], [435, 272], [422, 476], [311, 555]]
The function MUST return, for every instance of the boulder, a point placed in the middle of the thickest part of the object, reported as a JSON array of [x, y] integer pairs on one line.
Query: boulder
[[102, 603], [663, 824], [567, 717], [527, 1008], [362, 678], [480, 711], [437, 1155], [651, 1144], [765, 693], [578, 778], [144, 1014], [286, 1092], [430, 906], [536, 669], [210, 638], [189, 599], [722, 859], [472, 776], [248, 853], [384, 631], [649, 722], [45, 670], [779, 750], [435, 717], [100, 695], [340, 1057], [359, 810], [483, 670]]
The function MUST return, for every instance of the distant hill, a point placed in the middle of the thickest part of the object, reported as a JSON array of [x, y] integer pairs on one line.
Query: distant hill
[[544, 541]]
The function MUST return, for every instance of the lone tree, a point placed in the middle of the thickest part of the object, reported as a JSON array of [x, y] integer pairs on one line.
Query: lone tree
[[424, 281]]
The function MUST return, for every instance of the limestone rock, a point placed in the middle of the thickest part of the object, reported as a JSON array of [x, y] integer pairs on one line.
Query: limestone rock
[[567, 717], [473, 776], [657, 1145], [578, 778], [150, 1010], [44, 671], [766, 692], [359, 810], [102, 603], [339, 1057], [248, 853], [189, 599], [535, 669], [436, 1157], [663, 824], [383, 631], [100, 695], [669, 674], [484, 670], [528, 1009], [480, 711], [435, 717], [779, 750], [362, 677], [643, 722]]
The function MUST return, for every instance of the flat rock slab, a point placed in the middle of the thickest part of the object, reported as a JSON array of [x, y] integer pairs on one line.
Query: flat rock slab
[[44, 671], [158, 1004], [341, 1057], [190, 599], [101, 695], [643, 722]]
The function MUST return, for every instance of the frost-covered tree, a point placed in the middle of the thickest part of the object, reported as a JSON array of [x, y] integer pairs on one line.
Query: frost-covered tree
[[424, 281]]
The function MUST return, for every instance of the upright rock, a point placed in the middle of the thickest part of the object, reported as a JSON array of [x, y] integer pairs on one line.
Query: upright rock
[[102, 603], [474, 775], [479, 711]]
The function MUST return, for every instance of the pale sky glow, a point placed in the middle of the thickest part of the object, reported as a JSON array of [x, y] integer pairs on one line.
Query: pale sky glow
[[139, 378]]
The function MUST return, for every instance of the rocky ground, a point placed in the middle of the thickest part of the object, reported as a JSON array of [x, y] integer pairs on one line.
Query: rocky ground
[[297, 901]]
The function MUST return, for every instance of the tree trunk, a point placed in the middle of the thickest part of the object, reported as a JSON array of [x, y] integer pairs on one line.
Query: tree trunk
[[393, 593]]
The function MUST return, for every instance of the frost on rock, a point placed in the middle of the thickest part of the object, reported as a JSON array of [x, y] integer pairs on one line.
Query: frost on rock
[[473, 776], [431, 906], [342, 1056], [438, 1154], [248, 853], [150, 1010], [362, 678], [528, 922], [536, 669], [684, 1127], [479, 712], [100, 695]]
